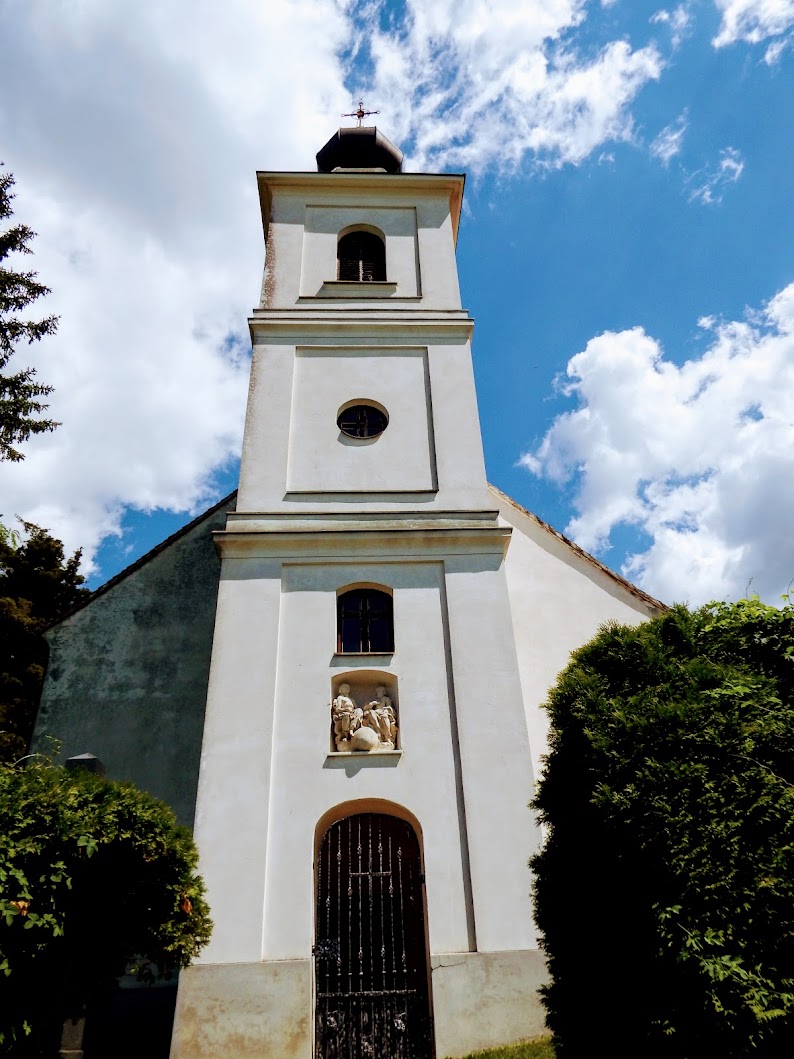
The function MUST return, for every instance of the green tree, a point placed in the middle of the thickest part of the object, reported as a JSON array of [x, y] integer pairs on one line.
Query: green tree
[[38, 585], [665, 889], [20, 404], [96, 879]]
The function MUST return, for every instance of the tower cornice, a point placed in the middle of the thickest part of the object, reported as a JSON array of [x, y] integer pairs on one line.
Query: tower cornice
[[420, 325], [384, 184]]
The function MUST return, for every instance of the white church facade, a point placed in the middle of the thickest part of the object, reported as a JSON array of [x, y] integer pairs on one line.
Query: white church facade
[[350, 695]]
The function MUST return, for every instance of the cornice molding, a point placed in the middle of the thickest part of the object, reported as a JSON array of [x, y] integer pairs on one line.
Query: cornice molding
[[304, 322], [385, 544], [452, 183]]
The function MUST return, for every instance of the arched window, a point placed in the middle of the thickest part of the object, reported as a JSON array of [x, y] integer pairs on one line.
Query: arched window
[[365, 622], [361, 256]]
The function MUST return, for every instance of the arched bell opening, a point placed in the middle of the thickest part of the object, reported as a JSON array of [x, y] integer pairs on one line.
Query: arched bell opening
[[361, 255], [372, 978]]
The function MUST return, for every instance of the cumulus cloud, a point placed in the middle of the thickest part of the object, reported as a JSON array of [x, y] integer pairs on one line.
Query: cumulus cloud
[[752, 20], [709, 184], [134, 134], [134, 138], [478, 82], [698, 457], [667, 144]]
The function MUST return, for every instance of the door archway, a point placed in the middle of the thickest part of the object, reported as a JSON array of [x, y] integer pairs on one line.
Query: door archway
[[371, 974]]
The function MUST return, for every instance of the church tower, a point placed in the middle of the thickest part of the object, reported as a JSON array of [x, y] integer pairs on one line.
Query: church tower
[[362, 812]]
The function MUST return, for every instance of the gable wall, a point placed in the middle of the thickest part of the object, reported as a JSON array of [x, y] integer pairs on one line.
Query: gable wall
[[559, 599], [127, 674]]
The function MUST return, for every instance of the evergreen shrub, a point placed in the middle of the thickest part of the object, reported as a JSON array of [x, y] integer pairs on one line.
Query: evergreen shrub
[[665, 889], [96, 880]]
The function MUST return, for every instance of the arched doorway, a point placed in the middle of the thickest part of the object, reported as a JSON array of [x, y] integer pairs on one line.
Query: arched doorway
[[371, 977]]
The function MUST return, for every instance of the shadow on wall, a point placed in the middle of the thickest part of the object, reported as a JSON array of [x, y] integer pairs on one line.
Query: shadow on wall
[[131, 1022]]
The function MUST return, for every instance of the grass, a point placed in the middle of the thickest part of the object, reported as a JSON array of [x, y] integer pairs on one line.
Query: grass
[[538, 1048]]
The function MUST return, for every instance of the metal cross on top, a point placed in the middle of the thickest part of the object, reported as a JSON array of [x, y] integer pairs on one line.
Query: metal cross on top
[[360, 113]]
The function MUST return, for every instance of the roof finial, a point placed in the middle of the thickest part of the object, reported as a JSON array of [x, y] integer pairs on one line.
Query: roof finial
[[360, 113]]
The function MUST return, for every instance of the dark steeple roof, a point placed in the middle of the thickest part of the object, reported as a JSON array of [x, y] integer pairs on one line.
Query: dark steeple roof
[[360, 148]]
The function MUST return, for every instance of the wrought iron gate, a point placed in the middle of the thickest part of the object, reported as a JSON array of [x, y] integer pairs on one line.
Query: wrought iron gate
[[372, 998]]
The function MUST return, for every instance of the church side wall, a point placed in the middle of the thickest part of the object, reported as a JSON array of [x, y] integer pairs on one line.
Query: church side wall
[[127, 674]]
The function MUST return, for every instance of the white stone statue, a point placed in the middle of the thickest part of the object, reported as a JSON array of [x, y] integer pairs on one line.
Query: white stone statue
[[365, 739], [346, 716], [369, 729], [379, 716]]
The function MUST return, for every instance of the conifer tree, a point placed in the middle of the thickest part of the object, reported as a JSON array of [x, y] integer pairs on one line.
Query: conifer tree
[[38, 585], [20, 405]]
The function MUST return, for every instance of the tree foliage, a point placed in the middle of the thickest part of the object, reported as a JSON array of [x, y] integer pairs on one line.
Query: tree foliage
[[20, 405], [665, 890], [95, 878], [37, 586]]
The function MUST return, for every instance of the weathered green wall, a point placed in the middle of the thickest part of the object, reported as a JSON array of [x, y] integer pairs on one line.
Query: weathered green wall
[[127, 674]]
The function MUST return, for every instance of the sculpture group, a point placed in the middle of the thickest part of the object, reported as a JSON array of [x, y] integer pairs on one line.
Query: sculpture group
[[363, 728]]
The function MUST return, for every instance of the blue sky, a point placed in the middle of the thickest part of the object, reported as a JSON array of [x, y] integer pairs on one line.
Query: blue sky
[[626, 252]]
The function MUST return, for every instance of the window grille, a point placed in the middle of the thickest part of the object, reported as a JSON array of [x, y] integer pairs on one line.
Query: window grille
[[372, 995], [365, 622], [361, 257], [362, 421]]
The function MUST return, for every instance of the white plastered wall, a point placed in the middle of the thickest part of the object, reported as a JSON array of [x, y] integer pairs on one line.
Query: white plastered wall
[[234, 781], [463, 772], [395, 224], [559, 598], [432, 447], [494, 751], [302, 237], [307, 782], [324, 459]]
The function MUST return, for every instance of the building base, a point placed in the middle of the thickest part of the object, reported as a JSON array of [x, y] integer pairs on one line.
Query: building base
[[264, 1010], [481, 999]]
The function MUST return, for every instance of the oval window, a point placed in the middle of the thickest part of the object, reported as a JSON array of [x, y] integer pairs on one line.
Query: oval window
[[362, 421]]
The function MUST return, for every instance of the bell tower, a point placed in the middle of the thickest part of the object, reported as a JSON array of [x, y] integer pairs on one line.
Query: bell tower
[[362, 812]]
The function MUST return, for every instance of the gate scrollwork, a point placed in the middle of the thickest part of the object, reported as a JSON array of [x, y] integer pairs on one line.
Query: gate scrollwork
[[372, 993]]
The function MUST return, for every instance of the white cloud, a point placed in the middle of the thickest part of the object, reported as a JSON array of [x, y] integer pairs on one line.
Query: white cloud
[[752, 20], [699, 457], [134, 138], [667, 144], [491, 81], [710, 182], [679, 21], [775, 50], [134, 134]]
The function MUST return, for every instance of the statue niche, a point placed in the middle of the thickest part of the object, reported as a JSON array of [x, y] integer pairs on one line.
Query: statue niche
[[366, 728]]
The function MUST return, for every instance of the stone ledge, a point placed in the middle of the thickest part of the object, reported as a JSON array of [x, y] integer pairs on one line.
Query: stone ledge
[[319, 545], [359, 754], [337, 288]]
